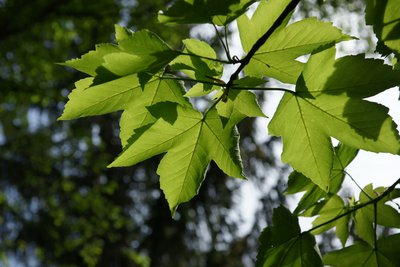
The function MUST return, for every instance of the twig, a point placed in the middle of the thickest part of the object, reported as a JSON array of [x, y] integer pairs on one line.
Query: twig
[[357, 207], [225, 46]]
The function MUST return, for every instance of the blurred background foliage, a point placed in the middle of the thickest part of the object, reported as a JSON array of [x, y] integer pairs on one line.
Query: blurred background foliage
[[60, 205]]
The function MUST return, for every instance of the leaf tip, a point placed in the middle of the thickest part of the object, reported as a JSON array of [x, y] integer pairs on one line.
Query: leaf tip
[[173, 211], [111, 165], [64, 117]]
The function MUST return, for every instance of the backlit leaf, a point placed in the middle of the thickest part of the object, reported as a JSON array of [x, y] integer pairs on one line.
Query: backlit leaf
[[282, 244], [251, 29], [277, 57], [362, 254], [308, 118], [299, 183], [199, 64], [191, 142], [365, 218], [385, 18], [240, 104]]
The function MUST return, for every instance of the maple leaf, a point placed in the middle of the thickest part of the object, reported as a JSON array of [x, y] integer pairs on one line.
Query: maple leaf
[[362, 254], [384, 16], [277, 57], [364, 218], [325, 105], [191, 141], [283, 244]]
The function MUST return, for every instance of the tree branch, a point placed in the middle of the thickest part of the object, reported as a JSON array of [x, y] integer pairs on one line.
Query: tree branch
[[260, 42]]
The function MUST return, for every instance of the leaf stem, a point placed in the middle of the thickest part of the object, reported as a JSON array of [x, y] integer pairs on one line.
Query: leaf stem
[[357, 207], [212, 106], [359, 187], [227, 43], [264, 89], [225, 46]]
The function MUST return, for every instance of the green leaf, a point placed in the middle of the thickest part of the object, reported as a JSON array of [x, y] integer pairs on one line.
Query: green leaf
[[191, 142], [204, 11], [125, 94], [92, 60], [266, 14], [363, 255], [364, 218], [299, 183], [136, 115], [248, 82], [308, 118], [88, 99], [282, 244], [240, 104], [368, 76], [141, 51], [333, 208], [202, 59], [150, 52], [277, 57], [385, 18], [117, 83], [200, 64], [122, 33]]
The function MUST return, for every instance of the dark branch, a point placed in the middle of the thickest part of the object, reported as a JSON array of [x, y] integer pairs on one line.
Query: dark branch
[[260, 42]]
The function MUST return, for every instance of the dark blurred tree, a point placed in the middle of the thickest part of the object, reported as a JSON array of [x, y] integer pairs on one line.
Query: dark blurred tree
[[59, 205]]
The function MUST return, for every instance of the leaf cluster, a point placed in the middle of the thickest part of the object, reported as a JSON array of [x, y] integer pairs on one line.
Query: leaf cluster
[[152, 84]]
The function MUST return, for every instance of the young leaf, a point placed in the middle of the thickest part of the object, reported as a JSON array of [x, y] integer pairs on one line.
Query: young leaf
[[240, 104], [277, 57], [283, 244], [200, 65], [306, 119], [191, 142], [203, 11], [333, 208], [362, 254]]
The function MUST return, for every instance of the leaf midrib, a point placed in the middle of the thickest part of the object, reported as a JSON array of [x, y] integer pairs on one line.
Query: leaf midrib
[[289, 48], [308, 137], [340, 120], [111, 96], [162, 143], [191, 159]]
